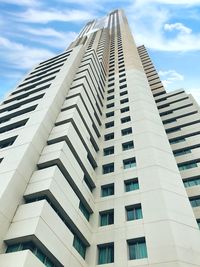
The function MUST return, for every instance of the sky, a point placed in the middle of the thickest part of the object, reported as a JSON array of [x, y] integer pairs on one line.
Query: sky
[[34, 30]]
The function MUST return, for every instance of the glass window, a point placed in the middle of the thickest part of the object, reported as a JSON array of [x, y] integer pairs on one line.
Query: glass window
[[110, 114], [127, 145], [122, 80], [109, 136], [124, 101], [108, 151], [110, 105], [187, 166], [181, 152], [106, 253], [109, 124], [110, 91], [178, 140], [108, 168], [137, 249], [125, 119], [192, 182], [84, 211], [107, 190], [106, 217], [110, 97], [195, 202], [198, 222], [134, 212], [131, 185], [123, 86], [126, 131], [79, 246], [124, 109], [129, 163], [123, 93]]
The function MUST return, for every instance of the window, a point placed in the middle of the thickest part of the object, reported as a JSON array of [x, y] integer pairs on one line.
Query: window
[[84, 211], [108, 151], [192, 182], [198, 222], [110, 97], [129, 163], [111, 84], [124, 101], [121, 70], [111, 91], [7, 142], [126, 131], [110, 105], [108, 168], [121, 66], [109, 124], [109, 136], [137, 249], [187, 166], [181, 152], [131, 185], [127, 145], [178, 140], [124, 109], [106, 253], [109, 114], [172, 130], [79, 246], [106, 217], [134, 212], [122, 75], [123, 80], [107, 190], [195, 201], [125, 119], [111, 79], [123, 86], [123, 93], [111, 74]]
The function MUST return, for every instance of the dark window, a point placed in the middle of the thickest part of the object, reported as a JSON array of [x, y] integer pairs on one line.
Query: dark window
[[126, 131], [84, 210], [182, 152], [123, 80], [7, 142], [122, 75], [129, 163], [127, 145], [125, 119], [79, 246], [110, 97], [106, 253], [111, 84], [121, 70], [108, 151], [134, 212], [110, 114], [111, 79], [109, 136], [123, 86], [186, 166], [124, 101], [110, 105], [107, 190], [137, 248], [108, 168], [109, 124], [110, 91], [106, 217], [123, 110], [192, 182], [131, 185], [123, 93]]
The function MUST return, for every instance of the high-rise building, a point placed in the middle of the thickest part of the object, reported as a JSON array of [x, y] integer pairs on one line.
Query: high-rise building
[[99, 164]]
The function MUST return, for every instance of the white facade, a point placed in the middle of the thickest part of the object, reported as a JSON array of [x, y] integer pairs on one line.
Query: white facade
[[88, 176]]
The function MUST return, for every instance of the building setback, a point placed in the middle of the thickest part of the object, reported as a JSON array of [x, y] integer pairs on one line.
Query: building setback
[[99, 164]]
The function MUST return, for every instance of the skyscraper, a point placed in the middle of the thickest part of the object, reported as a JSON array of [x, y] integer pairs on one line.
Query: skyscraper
[[94, 158]]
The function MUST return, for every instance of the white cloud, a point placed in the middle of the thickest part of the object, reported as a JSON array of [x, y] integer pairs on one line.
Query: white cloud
[[177, 26], [22, 2], [170, 76], [45, 16], [20, 56], [169, 2]]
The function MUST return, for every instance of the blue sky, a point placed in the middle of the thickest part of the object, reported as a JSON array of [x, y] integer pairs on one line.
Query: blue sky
[[34, 30]]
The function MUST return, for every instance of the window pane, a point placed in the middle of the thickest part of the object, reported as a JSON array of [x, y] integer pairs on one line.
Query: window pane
[[106, 254], [137, 250]]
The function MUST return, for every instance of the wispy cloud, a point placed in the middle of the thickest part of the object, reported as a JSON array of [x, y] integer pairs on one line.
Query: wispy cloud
[[22, 2], [177, 26], [45, 16], [170, 76]]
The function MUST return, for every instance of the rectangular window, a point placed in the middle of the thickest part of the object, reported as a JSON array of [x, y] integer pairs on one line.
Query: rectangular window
[[198, 222], [124, 101], [123, 110], [123, 93], [181, 152], [187, 166], [108, 151], [107, 190], [122, 70], [129, 163], [127, 145], [192, 182], [175, 141], [131, 185], [111, 84], [123, 80], [110, 91], [110, 105], [109, 136], [110, 114], [106, 253], [195, 201], [108, 168], [111, 79], [79, 246], [134, 212], [106, 217], [125, 119], [110, 97], [7, 142], [122, 75], [123, 86], [126, 131], [109, 124], [137, 249], [84, 211]]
